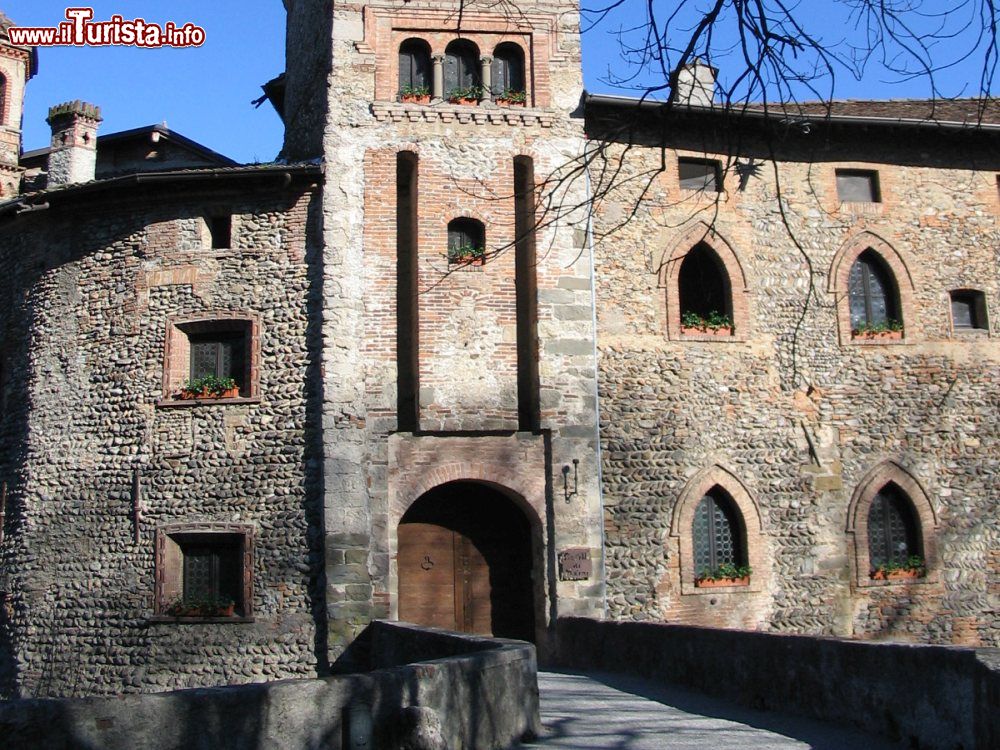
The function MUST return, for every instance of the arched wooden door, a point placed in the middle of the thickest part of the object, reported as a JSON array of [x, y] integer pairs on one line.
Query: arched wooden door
[[464, 561], [445, 581]]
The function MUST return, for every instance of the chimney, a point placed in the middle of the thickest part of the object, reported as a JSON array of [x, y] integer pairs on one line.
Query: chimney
[[73, 156], [694, 84]]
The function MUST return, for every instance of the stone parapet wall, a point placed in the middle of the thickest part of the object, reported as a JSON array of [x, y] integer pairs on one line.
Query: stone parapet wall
[[434, 685], [921, 696]]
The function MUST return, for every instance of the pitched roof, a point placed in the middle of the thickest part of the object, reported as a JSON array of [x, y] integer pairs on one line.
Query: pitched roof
[[968, 111]]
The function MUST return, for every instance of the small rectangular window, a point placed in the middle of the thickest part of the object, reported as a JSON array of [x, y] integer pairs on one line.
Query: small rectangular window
[[211, 359], [221, 229], [968, 309], [204, 571], [700, 174], [858, 186]]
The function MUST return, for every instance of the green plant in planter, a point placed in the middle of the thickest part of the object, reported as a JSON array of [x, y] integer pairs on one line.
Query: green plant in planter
[[726, 570], [714, 321], [414, 92], [513, 96], [912, 564], [465, 253], [210, 606], [210, 385], [869, 329], [465, 94]]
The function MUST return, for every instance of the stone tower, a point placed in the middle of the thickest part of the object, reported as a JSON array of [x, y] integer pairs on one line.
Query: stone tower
[[73, 156], [460, 402], [17, 66]]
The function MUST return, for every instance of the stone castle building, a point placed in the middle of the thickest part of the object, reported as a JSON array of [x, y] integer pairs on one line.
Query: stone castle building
[[482, 351]]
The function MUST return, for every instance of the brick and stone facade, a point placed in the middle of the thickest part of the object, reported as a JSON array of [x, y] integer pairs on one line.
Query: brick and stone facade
[[795, 415], [554, 375]]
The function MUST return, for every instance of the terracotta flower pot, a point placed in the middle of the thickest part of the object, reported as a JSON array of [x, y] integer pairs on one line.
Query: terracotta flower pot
[[713, 583], [902, 574], [722, 332], [415, 99]]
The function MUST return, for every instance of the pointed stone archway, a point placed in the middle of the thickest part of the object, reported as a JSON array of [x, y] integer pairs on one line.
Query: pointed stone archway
[[466, 560]]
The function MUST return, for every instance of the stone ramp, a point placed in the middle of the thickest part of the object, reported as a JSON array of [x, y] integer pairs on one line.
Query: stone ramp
[[602, 710]]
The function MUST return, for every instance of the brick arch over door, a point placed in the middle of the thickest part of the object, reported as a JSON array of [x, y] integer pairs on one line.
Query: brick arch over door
[[840, 272], [861, 502], [668, 270], [682, 521]]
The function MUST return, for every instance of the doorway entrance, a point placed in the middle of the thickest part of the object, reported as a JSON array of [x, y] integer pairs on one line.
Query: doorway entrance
[[465, 562]]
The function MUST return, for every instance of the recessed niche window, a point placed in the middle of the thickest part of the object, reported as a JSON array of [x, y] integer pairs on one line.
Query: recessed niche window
[[507, 73], [968, 310], [211, 359], [220, 230], [462, 71], [718, 541], [873, 298], [705, 295], [3, 100], [204, 571], [893, 534], [700, 174], [466, 242], [414, 70], [858, 186]]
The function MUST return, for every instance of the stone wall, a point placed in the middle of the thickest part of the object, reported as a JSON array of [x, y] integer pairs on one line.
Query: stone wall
[[794, 413], [100, 455], [465, 692], [920, 696]]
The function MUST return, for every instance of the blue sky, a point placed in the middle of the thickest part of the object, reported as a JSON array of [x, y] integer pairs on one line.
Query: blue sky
[[205, 93]]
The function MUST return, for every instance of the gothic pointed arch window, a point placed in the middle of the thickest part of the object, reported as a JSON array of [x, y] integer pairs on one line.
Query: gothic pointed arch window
[[462, 73], [894, 527], [414, 67], [507, 72], [718, 537], [706, 300], [873, 296], [893, 530]]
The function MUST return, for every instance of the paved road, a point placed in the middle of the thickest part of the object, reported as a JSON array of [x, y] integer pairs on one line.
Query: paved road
[[625, 713]]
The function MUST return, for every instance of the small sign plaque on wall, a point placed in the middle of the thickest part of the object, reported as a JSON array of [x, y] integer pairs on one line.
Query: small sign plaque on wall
[[575, 565]]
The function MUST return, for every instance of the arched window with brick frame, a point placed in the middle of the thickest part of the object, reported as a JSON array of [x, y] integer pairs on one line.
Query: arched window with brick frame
[[894, 527], [718, 534], [706, 289], [873, 291]]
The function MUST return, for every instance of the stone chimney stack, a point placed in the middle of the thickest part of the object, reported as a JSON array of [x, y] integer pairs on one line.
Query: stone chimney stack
[[73, 157], [694, 84]]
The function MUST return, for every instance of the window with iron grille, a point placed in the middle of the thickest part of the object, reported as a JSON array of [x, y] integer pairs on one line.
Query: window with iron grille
[[204, 570], [414, 67], [893, 530], [700, 174], [221, 354], [858, 186], [204, 355], [872, 294], [968, 309], [717, 534]]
